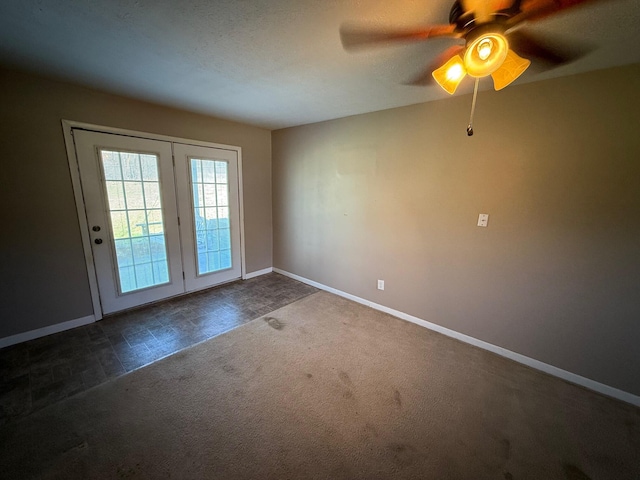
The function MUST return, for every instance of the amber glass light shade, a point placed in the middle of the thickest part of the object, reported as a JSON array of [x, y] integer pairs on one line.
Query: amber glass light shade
[[449, 75], [485, 54], [512, 67]]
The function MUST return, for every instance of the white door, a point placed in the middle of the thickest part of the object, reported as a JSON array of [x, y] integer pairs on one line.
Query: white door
[[158, 230], [130, 202], [209, 214]]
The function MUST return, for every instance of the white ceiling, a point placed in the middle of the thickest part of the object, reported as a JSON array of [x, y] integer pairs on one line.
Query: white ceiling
[[272, 63]]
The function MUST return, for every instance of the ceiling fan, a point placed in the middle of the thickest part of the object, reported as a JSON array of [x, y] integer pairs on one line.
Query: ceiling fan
[[492, 32]]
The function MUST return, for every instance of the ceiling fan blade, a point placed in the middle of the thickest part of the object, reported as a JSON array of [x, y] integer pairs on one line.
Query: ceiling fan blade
[[550, 54], [531, 10], [425, 77], [354, 37]]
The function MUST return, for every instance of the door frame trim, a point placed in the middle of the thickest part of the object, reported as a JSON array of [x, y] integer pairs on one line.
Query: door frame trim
[[74, 169]]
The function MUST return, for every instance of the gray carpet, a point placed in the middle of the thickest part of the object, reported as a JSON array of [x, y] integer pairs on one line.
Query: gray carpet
[[328, 389]]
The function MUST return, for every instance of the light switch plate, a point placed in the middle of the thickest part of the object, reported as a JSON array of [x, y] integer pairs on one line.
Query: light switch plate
[[483, 219]]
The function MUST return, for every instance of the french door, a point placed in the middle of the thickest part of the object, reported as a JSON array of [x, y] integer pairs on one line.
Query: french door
[[209, 209], [163, 217]]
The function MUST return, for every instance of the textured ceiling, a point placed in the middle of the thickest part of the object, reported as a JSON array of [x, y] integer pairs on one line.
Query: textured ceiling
[[272, 63]]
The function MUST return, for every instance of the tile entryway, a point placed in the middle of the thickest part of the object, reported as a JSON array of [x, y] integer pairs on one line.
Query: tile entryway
[[40, 372]]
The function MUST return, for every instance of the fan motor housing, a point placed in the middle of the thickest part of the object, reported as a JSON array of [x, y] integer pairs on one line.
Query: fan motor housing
[[466, 20]]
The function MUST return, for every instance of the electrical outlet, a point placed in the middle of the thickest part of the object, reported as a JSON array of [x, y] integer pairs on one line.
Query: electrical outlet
[[483, 219], [380, 284]]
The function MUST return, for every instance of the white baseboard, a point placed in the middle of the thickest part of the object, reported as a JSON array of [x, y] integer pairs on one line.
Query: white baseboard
[[257, 273], [530, 362], [44, 331]]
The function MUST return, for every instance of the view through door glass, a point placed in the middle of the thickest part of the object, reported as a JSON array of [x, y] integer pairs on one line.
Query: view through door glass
[[210, 189], [135, 210]]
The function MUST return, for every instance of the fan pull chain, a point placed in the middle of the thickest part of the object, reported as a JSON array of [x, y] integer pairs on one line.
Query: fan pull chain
[[473, 108]]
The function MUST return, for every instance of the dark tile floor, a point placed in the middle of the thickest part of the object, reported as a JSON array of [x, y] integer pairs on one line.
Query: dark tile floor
[[43, 371]]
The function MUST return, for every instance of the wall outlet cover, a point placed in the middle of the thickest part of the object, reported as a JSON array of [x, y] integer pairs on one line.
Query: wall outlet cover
[[483, 219]]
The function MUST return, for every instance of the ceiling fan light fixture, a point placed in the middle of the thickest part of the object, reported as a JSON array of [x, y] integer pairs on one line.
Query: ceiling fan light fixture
[[485, 54], [449, 75], [512, 67]]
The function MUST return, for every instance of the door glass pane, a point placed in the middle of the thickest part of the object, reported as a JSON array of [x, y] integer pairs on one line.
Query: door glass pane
[[135, 209], [210, 190]]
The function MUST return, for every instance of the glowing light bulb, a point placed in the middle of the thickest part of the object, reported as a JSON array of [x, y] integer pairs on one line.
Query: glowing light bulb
[[449, 75], [484, 48], [485, 54], [455, 72]]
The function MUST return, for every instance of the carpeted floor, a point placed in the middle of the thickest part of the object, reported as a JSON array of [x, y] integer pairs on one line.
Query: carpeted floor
[[325, 388]]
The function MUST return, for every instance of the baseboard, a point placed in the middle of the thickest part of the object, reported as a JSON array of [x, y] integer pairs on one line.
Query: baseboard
[[44, 331], [530, 362], [257, 273]]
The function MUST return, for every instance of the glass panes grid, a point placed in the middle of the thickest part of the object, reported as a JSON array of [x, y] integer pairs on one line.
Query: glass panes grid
[[210, 188], [135, 209]]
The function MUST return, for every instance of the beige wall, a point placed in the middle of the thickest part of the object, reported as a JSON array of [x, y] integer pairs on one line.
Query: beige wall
[[395, 195], [42, 268]]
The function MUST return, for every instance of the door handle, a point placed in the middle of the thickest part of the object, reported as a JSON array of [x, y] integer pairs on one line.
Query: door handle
[[97, 241]]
